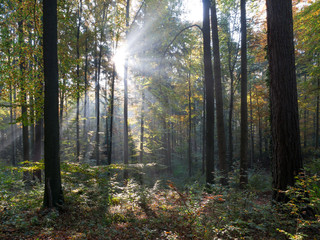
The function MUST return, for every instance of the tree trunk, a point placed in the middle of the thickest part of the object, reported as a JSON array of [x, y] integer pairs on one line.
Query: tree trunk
[[189, 126], [208, 75], [111, 109], [86, 86], [23, 100], [317, 115], [97, 106], [219, 98], [13, 130], [53, 196], [125, 103], [142, 127], [251, 131], [78, 85], [204, 130], [287, 159], [244, 107]]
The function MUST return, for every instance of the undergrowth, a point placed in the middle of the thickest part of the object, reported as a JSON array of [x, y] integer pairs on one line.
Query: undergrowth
[[100, 205]]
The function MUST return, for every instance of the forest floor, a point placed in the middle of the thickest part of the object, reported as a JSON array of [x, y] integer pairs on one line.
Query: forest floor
[[96, 208]]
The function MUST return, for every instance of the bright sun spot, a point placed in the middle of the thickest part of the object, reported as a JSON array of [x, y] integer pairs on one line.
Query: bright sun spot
[[193, 10], [119, 59]]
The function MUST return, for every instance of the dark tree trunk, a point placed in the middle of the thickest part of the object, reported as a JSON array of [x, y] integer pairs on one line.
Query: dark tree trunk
[[23, 100], [219, 98], [251, 131], [244, 107], [78, 84], [189, 127], [208, 75], [305, 118], [142, 127], [317, 115], [125, 104], [86, 86], [53, 196], [204, 131], [111, 112], [286, 157], [12, 126], [62, 98], [13, 130], [97, 105]]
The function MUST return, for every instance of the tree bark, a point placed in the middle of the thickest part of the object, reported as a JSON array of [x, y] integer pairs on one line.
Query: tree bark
[[244, 107], [78, 84], [219, 98], [125, 103], [189, 126], [53, 196], [317, 115], [208, 75], [286, 155]]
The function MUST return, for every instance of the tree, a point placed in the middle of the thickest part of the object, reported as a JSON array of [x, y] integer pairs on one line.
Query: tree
[[208, 75], [219, 97], [286, 154], [53, 196], [244, 106]]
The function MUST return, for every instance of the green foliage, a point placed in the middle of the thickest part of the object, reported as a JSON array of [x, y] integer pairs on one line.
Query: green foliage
[[303, 207]]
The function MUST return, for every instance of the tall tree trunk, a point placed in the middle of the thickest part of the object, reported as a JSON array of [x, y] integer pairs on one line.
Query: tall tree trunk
[[219, 99], [53, 196], [13, 130], [244, 107], [142, 127], [78, 84], [189, 126], [111, 113], [86, 86], [305, 118], [23, 100], [62, 99], [125, 103], [208, 75], [251, 131], [204, 130], [317, 115], [97, 106], [286, 157], [12, 125]]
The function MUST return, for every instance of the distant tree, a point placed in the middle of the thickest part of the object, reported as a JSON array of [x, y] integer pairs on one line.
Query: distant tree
[[244, 104], [78, 83], [53, 195], [286, 155], [125, 104]]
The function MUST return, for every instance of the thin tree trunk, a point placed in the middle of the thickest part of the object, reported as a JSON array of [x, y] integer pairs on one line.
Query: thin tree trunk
[[142, 127], [204, 131], [251, 131], [244, 107], [125, 103], [12, 127], [111, 115], [189, 127], [78, 84], [86, 85], [317, 115]]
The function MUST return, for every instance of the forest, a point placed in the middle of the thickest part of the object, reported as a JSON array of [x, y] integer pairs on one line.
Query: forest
[[159, 119]]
